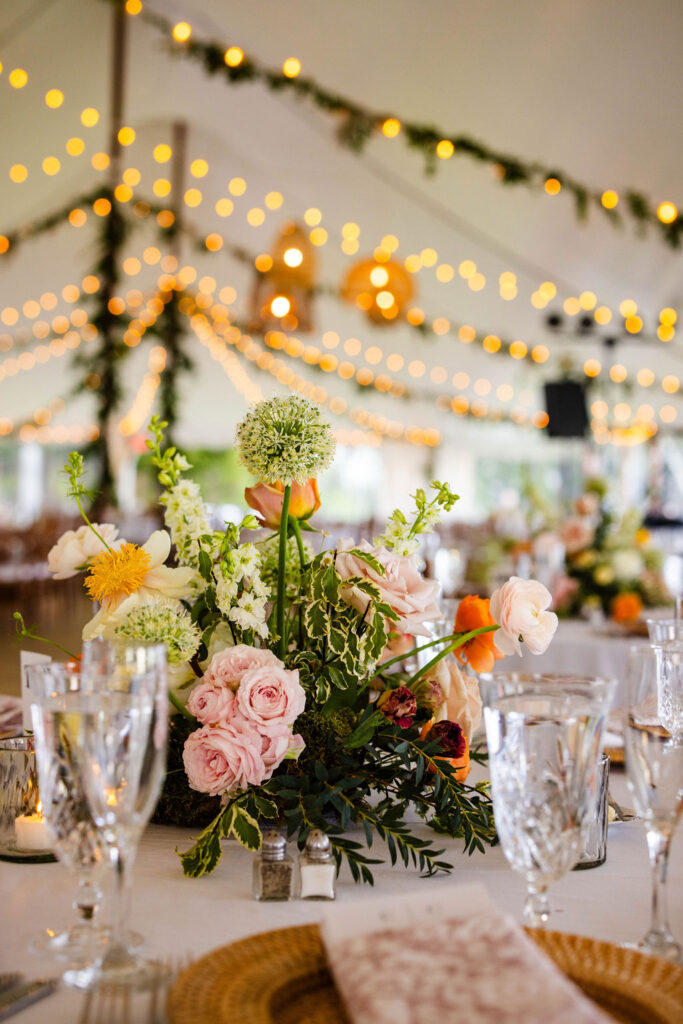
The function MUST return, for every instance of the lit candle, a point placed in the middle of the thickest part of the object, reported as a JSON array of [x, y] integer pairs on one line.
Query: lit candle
[[31, 831]]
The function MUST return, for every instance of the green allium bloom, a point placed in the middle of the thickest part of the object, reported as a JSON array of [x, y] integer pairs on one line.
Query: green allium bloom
[[285, 439], [159, 622]]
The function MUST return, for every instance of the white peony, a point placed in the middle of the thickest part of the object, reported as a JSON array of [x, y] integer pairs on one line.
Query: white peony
[[520, 609], [627, 564], [75, 549]]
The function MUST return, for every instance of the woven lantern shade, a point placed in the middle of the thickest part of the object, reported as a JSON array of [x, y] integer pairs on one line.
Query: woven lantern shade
[[382, 290], [285, 279]]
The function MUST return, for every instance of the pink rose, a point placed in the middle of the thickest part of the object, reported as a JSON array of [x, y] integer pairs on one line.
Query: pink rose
[[463, 704], [400, 644], [588, 504], [403, 587], [270, 696], [211, 704], [520, 609], [229, 665], [576, 533], [274, 746], [564, 589], [220, 760]]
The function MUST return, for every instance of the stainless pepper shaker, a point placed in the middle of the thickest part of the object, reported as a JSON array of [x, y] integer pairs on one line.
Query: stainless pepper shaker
[[318, 869], [274, 870]]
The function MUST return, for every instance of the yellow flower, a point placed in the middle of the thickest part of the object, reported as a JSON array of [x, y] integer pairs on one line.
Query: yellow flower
[[117, 573], [603, 575], [121, 579], [642, 536]]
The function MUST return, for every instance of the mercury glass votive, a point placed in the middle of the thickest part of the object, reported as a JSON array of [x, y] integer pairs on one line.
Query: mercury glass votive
[[23, 831]]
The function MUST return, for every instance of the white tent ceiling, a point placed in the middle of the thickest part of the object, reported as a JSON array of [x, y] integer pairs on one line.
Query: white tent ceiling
[[593, 87]]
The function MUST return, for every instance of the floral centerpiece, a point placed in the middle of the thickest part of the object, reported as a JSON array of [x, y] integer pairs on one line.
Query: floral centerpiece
[[611, 565], [289, 659]]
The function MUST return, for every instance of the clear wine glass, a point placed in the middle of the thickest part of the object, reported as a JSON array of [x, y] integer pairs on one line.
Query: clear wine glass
[[654, 766], [666, 638], [544, 735], [77, 841], [125, 727]]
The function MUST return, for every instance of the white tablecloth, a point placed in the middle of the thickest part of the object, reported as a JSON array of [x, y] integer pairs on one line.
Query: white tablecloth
[[178, 915], [579, 648]]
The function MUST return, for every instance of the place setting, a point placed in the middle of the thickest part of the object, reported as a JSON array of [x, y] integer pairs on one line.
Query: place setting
[[341, 514]]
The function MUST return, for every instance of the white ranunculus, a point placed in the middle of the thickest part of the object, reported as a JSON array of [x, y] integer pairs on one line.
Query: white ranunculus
[[520, 609], [75, 549], [627, 564]]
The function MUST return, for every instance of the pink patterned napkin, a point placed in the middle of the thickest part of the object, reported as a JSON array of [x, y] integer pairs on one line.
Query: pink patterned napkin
[[453, 957]]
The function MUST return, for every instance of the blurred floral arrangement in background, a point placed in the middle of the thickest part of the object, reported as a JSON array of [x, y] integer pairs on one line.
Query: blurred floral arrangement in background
[[611, 566]]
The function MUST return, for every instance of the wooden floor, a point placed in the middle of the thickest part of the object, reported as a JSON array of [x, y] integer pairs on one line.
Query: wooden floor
[[56, 610]]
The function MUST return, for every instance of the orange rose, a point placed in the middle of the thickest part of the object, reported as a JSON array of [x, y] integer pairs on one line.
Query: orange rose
[[626, 607], [480, 652], [266, 499]]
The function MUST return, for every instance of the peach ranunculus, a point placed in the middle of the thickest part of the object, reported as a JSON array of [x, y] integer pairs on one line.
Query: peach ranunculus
[[626, 607], [463, 703], [480, 652], [221, 759], [75, 549], [270, 696], [227, 667], [211, 704], [266, 499], [588, 504], [403, 587], [520, 607], [576, 534]]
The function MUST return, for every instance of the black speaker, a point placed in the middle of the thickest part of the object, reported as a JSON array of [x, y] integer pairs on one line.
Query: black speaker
[[565, 403]]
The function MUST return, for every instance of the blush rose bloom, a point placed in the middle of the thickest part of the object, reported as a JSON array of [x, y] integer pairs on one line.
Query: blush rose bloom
[[412, 597], [576, 534], [588, 504], [278, 744], [520, 609], [266, 499], [211, 704], [270, 696], [77, 548], [221, 759], [463, 704], [227, 667]]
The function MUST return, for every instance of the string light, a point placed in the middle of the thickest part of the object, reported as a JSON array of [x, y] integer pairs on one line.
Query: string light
[[667, 212], [18, 78], [233, 56], [291, 67], [182, 32]]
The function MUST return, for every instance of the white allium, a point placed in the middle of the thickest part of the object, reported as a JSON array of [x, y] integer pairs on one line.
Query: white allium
[[159, 621], [285, 439]]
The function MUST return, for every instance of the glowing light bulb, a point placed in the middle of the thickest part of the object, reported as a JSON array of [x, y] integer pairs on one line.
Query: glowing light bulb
[[384, 300], [89, 117], [291, 67], [18, 78], [379, 276], [553, 186], [280, 306], [293, 257], [54, 98], [445, 149], [391, 127], [609, 199], [233, 56], [667, 212], [182, 32]]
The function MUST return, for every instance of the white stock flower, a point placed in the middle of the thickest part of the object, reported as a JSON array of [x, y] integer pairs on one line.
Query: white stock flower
[[186, 518], [75, 549]]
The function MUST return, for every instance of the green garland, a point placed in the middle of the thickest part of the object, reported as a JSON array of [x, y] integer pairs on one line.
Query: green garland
[[360, 123]]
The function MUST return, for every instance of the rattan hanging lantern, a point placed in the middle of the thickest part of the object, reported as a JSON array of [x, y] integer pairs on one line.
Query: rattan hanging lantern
[[383, 290], [282, 296]]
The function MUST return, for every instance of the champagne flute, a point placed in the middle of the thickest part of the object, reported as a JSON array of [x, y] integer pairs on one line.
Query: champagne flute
[[77, 841], [544, 734], [654, 766]]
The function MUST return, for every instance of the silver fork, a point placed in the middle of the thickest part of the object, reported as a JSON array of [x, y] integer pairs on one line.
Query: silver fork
[[112, 1004]]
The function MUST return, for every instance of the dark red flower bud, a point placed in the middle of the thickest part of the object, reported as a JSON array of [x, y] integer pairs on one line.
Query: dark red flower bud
[[450, 737]]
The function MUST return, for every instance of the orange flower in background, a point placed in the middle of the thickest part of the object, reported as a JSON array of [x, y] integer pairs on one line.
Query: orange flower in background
[[481, 652], [266, 499], [626, 607]]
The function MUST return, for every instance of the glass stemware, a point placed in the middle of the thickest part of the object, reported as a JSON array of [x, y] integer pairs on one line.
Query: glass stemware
[[666, 638], [123, 719], [544, 735], [77, 842], [654, 766]]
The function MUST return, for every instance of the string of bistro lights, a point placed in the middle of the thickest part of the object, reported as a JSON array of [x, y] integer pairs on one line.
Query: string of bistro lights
[[415, 262], [360, 123], [294, 348], [490, 343]]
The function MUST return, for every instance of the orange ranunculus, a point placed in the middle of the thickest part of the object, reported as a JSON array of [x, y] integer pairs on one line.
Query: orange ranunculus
[[462, 759], [626, 607], [480, 653], [266, 499]]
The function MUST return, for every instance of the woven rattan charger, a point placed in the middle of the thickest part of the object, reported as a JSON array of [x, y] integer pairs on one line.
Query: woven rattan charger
[[282, 977]]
